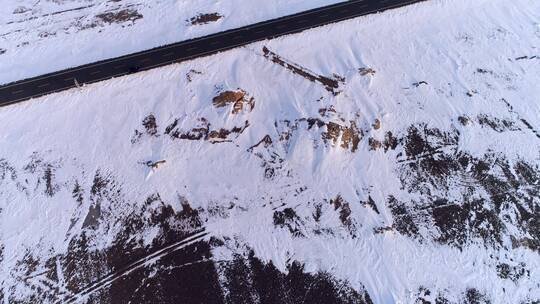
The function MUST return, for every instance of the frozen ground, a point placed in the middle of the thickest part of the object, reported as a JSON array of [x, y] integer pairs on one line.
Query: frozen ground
[[394, 160], [51, 35]]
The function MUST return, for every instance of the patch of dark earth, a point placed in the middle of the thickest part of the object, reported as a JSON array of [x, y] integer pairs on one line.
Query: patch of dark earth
[[287, 218], [132, 270], [498, 204], [469, 296], [188, 276]]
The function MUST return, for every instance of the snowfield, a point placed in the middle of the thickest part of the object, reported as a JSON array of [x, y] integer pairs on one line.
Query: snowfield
[[393, 158], [52, 35]]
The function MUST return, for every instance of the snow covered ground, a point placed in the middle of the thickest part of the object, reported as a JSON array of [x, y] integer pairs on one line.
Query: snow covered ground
[[394, 160], [51, 35]]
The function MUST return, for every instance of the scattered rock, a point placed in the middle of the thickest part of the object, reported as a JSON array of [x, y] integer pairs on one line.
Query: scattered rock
[[471, 93], [473, 296], [374, 144], [288, 218], [203, 131], [526, 57], [45, 172], [366, 71], [513, 273], [228, 97], [21, 10], [484, 71], [205, 18], [380, 230], [315, 122], [121, 16], [464, 120], [330, 84], [344, 214], [417, 84], [46, 34], [350, 135], [150, 125], [191, 73], [498, 125], [324, 112], [371, 203], [266, 142], [238, 99], [390, 142], [530, 127], [150, 128], [155, 164]]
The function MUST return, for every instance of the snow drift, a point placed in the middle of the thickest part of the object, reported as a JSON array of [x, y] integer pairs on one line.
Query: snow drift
[[392, 158]]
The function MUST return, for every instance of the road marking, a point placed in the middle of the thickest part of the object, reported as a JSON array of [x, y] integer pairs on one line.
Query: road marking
[[95, 72], [144, 60], [281, 26], [70, 79], [43, 85], [17, 92], [323, 16], [302, 21], [168, 54], [238, 37], [260, 31], [192, 48]]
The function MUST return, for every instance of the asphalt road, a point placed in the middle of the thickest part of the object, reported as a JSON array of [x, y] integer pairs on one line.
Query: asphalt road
[[185, 50]]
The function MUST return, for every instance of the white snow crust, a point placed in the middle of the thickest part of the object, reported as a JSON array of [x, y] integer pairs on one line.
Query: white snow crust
[[443, 43]]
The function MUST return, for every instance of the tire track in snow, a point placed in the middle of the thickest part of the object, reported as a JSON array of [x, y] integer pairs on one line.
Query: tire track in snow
[[144, 261]]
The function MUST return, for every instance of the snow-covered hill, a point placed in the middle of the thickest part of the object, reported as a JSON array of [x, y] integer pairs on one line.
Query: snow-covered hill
[[392, 158], [52, 35]]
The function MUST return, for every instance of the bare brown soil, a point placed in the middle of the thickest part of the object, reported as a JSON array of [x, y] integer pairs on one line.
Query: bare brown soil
[[238, 99], [350, 135]]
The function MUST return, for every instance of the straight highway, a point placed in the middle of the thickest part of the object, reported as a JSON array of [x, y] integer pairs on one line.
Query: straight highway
[[62, 80]]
